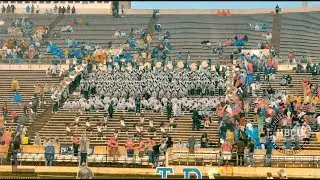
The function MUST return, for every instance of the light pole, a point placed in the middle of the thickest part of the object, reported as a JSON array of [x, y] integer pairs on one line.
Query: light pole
[[304, 3]]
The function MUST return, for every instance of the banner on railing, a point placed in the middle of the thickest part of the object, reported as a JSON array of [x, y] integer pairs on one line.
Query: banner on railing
[[256, 51]]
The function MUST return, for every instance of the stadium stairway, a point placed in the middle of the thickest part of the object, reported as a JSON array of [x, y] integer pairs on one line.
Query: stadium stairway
[[27, 79]]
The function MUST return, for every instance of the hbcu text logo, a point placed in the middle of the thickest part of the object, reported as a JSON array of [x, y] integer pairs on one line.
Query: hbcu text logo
[[289, 135]]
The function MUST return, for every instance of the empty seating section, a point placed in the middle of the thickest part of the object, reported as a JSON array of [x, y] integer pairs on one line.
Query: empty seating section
[[188, 31], [299, 31]]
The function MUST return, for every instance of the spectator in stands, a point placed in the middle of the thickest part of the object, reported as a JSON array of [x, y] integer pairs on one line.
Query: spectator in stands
[[318, 122], [73, 10], [15, 84], [240, 151], [13, 8], [25, 140], [130, 147], [5, 111], [204, 140], [68, 9], [111, 109], [195, 120], [3, 9], [63, 10], [8, 9], [122, 10], [17, 98], [289, 80], [37, 9], [191, 144], [32, 9], [277, 9], [84, 147], [85, 172], [37, 139], [55, 9]]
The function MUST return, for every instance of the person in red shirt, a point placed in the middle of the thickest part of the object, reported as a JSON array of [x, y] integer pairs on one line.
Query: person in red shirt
[[75, 145], [113, 147], [228, 13], [130, 147], [226, 148], [242, 122], [142, 148], [223, 12], [219, 13], [149, 149]]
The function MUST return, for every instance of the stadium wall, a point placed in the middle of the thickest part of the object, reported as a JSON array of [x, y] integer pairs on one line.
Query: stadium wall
[[226, 171], [104, 7]]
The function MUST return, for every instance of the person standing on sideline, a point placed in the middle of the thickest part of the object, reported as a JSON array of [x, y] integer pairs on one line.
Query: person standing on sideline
[[192, 142], [84, 147], [240, 151], [251, 151]]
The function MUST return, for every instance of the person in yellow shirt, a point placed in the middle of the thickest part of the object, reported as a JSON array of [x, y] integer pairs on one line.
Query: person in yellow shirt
[[15, 84], [230, 136], [315, 100], [25, 140], [298, 98]]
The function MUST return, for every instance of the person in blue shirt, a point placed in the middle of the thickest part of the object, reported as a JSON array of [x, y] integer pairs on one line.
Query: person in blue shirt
[[277, 9], [17, 97], [28, 9], [179, 56]]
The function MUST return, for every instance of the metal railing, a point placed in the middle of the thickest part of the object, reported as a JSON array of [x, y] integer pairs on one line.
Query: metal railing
[[176, 158], [265, 160], [120, 160]]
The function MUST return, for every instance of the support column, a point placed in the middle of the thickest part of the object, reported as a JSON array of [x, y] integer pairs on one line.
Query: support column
[[276, 33]]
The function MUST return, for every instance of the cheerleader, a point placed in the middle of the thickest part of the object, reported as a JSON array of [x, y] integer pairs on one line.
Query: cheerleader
[[172, 124], [105, 120], [151, 127], [123, 126], [68, 131], [162, 129], [88, 126], [100, 134], [116, 133], [141, 123], [138, 130], [77, 121]]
